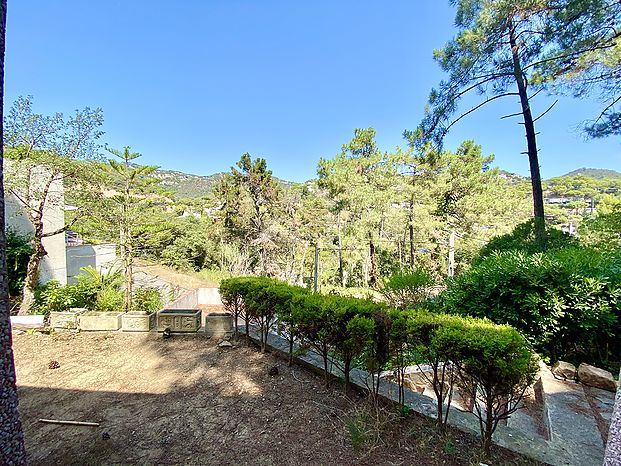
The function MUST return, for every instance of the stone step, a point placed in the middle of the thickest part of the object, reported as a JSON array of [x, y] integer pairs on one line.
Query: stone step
[[569, 419]]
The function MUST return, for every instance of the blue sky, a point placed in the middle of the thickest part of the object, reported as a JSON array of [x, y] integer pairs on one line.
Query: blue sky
[[194, 86]]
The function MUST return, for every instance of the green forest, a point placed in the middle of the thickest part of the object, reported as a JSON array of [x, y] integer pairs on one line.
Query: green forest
[[369, 213]]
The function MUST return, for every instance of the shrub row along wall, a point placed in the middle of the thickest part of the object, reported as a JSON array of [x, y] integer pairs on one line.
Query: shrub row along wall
[[492, 364]]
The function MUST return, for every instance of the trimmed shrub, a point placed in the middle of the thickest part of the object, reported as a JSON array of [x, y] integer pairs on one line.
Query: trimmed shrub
[[494, 364], [53, 297], [423, 330]]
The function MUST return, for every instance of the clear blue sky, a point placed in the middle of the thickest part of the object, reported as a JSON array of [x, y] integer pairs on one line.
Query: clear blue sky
[[195, 85]]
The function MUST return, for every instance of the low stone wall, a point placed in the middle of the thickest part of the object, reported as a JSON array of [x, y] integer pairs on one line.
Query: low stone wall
[[515, 440]]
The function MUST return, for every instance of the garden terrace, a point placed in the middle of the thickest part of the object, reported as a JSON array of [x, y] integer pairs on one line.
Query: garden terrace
[[186, 401]]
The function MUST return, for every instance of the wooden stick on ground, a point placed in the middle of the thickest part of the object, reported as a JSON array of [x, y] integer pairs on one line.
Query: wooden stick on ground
[[72, 423]]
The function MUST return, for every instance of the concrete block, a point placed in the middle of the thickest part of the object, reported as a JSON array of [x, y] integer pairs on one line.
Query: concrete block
[[137, 321], [66, 319], [179, 320], [100, 321], [218, 324]]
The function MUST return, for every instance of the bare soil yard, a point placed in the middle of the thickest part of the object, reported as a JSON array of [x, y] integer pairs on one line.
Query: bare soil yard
[[186, 401]]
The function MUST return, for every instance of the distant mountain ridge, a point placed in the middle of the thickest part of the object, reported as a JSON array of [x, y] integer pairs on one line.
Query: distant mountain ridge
[[187, 185], [596, 173]]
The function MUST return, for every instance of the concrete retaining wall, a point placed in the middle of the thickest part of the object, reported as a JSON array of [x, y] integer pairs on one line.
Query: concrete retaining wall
[[209, 296], [197, 297]]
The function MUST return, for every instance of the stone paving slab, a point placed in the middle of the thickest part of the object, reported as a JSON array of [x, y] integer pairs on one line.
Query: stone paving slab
[[528, 444], [569, 419]]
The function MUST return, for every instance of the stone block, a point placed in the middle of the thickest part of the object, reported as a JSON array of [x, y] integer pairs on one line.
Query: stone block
[[179, 320], [596, 377], [100, 321], [66, 319], [564, 370], [218, 324], [137, 321], [29, 321]]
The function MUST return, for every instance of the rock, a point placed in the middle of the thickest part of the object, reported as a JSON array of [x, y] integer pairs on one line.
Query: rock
[[225, 344], [17, 331], [595, 377], [105, 436], [273, 371], [564, 370], [53, 364]]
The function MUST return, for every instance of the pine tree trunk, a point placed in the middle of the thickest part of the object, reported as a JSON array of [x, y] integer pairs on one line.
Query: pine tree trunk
[[531, 139], [129, 280], [32, 271], [12, 449], [372, 255]]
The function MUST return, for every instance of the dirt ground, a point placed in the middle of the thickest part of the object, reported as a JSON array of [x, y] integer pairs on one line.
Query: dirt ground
[[185, 280], [186, 401]]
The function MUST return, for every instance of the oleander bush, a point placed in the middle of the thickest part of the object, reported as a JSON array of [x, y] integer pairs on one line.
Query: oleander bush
[[566, 301], [523, 239]]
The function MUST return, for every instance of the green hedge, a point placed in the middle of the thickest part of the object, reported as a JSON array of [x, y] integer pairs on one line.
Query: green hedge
[[467, 351]]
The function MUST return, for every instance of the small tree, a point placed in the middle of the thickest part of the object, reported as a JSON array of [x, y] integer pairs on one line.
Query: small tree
[[423, 330], [286, 323], [378, 352], [130, 209], [313, 322], [352, 329], [232, 299], [44, 152], [399, 345], [407, 289], [495, 366], [263, 298]]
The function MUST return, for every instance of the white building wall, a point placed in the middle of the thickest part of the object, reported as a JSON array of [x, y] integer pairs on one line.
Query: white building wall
[[99, 256], [54, 264]]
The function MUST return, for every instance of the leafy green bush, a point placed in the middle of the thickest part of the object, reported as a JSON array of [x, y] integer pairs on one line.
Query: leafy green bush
[[53, 297], [522, 238], [494, 364], [93, 291], [90, 282], [565, 301], [18, 251], [407, 289], [603, 231], [109, 300], [147, 300]]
